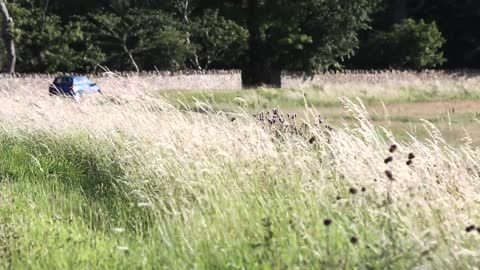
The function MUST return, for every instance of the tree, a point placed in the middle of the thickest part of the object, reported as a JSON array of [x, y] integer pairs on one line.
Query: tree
[[46, 44], [257, 71], [458, 22], [260, 36], [8, 39], [2, 55], [302, 35], [183, 10], [214, 38], [116, 31], [140, 39], [409, 45]]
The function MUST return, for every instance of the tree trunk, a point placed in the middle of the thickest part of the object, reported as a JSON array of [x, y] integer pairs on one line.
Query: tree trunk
[[7, 28], [130, 56], [255, 71], [184, 8]]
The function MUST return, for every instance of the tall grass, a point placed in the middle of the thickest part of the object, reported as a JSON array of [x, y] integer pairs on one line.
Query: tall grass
[[128, 181]]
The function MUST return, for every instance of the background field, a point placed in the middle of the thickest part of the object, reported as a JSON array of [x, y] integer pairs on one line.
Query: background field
[[141, 178], [400, 104]]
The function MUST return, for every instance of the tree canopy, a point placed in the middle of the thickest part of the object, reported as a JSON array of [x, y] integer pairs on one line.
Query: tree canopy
[[260, 37]]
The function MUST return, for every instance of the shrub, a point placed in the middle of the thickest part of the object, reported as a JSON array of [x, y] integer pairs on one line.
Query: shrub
[[410, 45]]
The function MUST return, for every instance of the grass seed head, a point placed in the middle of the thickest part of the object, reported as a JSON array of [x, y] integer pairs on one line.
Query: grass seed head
[[327, 222], [470, 228], [389, 175], [320, 119], [393, 148], [354, 240], [266, 222], [388, 160]]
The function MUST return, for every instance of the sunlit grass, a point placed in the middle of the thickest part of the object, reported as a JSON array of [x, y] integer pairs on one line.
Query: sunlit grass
[[127, 181], [322, 97]]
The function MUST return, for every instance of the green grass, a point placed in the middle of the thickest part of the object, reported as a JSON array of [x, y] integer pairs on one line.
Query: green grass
[[60, 205], [328, 104], [64, 208], [253, 100], [139, 185]]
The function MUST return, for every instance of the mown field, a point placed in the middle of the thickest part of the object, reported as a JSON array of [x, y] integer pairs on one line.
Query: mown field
[[141, 179], [454, 108]]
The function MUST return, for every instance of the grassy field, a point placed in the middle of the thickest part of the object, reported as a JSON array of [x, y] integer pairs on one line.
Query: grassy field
[[138, 179], [454, 109]]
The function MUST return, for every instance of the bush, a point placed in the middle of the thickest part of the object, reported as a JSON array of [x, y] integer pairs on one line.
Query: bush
[[410, 45]]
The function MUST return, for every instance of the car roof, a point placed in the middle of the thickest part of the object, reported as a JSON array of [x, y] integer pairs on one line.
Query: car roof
[[72, 77]]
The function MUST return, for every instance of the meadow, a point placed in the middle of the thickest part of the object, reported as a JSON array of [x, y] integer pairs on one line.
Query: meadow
[[254, 179]]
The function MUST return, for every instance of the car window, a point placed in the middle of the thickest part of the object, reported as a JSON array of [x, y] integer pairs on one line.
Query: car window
[[62, 80], [82, 80]]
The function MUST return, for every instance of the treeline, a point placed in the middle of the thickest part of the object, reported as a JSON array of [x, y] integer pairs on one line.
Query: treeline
[[260, 37]]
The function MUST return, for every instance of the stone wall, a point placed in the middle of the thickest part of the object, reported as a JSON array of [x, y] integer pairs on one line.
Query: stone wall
[[185, 80], [232, 80], [300, 80]]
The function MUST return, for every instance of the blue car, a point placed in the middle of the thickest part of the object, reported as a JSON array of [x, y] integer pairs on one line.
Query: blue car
[[73, 86]]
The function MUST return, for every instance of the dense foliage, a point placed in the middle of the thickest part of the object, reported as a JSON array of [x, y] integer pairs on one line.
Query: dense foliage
[[302, 35], [413, 45], [259, 36], [46, 44]]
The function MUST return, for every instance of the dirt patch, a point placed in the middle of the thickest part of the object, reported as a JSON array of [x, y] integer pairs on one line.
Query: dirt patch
[[431, 108], [420, 109]]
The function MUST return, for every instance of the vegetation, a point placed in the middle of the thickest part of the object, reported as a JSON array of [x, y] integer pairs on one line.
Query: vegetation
[[260, 179], [46, 43], [399, 106], [259, 37], [324, 97], [128, 181], [159, 46], [8, 42], [301, 35], [409, 45]]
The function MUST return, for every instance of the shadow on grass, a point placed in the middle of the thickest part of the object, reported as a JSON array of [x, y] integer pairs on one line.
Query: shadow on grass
[[73, 168]]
